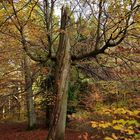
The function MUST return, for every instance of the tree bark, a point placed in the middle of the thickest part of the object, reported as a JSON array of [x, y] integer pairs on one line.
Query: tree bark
[[57, 129], [29, 95]]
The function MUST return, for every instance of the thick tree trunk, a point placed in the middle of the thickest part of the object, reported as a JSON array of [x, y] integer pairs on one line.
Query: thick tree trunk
[[57, 129], [29, 95]]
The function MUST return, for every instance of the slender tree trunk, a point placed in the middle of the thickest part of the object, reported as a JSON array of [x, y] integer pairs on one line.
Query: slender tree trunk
[[57, 129], [29, 95], [9, 105], [3, 112], [49, 109]]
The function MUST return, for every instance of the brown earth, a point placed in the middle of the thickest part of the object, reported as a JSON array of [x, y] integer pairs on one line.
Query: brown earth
[[17, 131]]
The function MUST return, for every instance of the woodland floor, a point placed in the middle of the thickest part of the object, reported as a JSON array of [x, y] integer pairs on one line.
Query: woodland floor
[[18, 131]]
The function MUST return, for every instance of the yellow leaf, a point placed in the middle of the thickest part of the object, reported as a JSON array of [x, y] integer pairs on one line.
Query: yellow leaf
[[108, 138], [94, 124], [130, 132], [114, 136], [118, 127]]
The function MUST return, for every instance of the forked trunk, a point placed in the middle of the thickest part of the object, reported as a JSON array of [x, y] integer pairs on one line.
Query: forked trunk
[[57, 129]]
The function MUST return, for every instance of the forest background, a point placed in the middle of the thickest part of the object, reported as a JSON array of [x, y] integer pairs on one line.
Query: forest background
[[71, 63]]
